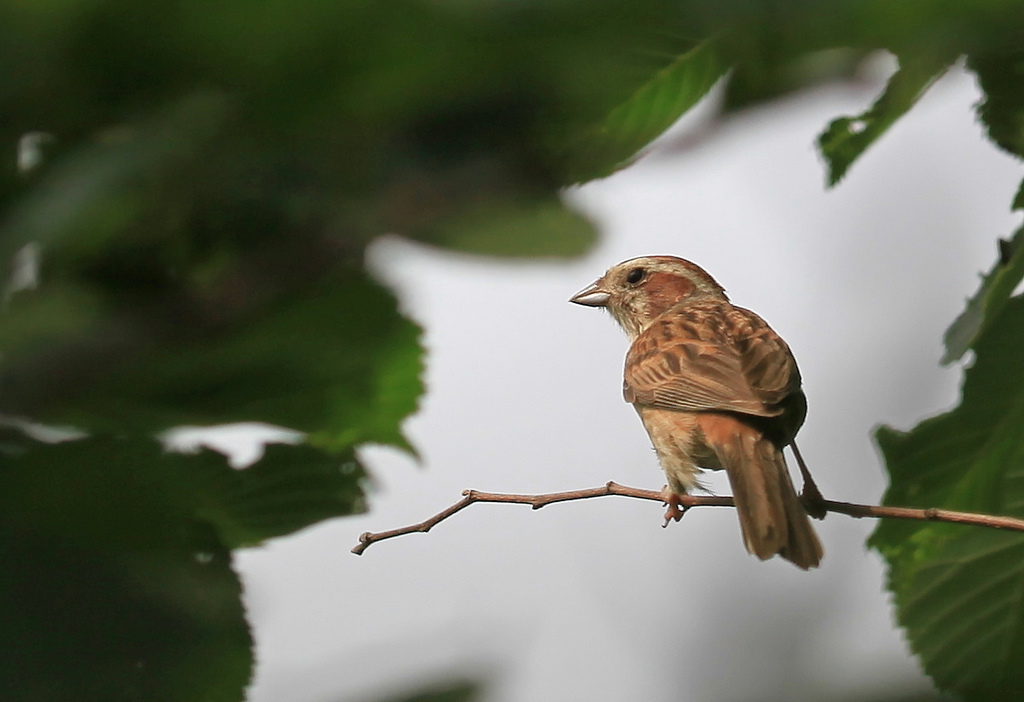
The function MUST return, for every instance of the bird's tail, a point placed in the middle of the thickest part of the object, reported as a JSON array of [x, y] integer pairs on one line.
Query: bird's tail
[[772, 518]]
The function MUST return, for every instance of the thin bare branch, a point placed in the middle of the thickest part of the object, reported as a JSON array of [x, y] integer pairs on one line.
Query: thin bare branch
[[686, 502]]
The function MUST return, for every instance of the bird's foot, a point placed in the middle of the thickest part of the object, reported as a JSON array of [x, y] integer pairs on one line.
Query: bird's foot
[[813, 500], [676, 509]]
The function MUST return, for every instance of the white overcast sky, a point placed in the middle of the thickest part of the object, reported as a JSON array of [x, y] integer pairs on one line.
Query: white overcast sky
[[594, 600]]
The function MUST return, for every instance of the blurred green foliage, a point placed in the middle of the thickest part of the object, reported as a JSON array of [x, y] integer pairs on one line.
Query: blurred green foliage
[[188, 193]]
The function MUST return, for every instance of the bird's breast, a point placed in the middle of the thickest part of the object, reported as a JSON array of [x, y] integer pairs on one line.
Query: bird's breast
[[679, 444]]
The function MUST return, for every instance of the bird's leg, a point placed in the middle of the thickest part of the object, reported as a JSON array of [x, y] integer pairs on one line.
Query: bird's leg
[[676, 509], [811, 496]]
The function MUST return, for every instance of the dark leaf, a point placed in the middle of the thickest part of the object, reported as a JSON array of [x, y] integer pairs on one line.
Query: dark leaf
[[112, 590], [289, 488], [117, 582], [1001, 76]]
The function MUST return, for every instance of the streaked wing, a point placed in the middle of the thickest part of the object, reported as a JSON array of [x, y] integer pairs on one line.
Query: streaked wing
[[709, 358]]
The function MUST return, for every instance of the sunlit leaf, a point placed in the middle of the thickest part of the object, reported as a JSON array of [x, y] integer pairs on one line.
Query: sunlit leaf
[[653, 108]]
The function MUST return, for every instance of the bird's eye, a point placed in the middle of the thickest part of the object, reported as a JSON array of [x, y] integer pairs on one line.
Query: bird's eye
[[635, 276]]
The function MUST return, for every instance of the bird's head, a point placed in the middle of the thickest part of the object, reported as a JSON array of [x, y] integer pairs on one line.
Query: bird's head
[[637, 291]]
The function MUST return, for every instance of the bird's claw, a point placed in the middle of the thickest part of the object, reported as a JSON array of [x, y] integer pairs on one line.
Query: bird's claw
[[813, 501], [675, 510]]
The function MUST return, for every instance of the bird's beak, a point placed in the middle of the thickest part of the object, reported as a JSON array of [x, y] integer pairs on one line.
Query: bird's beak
[[592, 296]]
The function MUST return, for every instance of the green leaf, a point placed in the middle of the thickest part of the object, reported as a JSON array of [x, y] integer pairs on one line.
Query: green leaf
[[847, 138], [540, 228], [996, 287], [117, 582], [761, 75], [104, 492], [103, 625], [112, 590], [957, 589], [650, 110], [335, 359], [1001, 76], [289, 488]]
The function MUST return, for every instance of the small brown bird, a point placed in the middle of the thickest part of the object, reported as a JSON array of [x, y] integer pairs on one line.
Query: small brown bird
[[716, 388]]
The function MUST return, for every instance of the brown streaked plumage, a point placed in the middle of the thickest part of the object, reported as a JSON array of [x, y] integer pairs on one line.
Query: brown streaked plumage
[[716, 388]]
